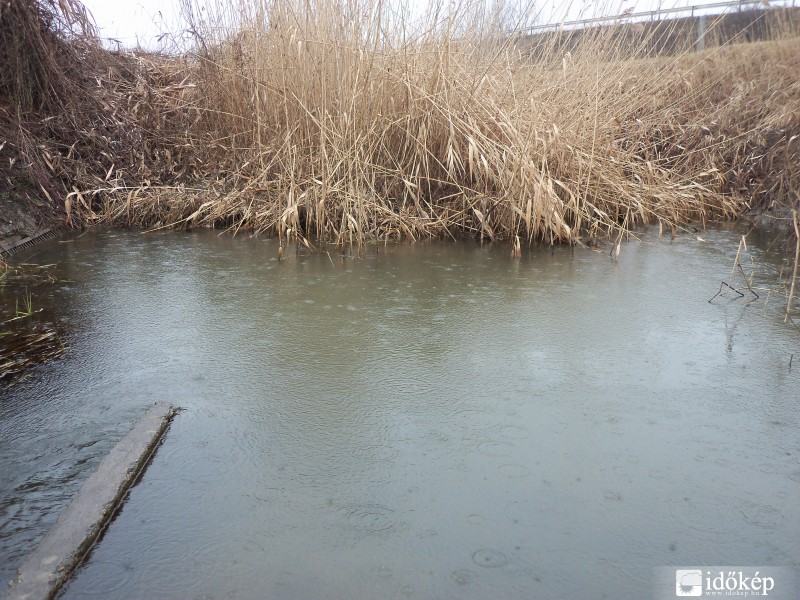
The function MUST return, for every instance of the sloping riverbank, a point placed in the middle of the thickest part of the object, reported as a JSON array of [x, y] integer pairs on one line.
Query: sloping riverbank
[[351, 126]]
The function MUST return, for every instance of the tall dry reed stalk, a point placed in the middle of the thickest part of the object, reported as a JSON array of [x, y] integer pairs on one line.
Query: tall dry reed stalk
[[796, 224], [341, 119]]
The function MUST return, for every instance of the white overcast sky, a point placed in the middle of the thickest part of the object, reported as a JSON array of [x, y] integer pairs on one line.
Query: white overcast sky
[[142, 21]]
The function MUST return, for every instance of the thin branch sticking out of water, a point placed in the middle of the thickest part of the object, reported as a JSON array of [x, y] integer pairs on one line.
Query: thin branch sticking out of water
[[796, 261], [725, 284]]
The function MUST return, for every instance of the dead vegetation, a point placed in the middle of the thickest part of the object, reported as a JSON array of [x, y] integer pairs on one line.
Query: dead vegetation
[[337, 119], [351, 126], [27, 337]]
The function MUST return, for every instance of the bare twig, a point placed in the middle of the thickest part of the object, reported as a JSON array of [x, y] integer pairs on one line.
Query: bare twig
[[725, 284], [796, 261]]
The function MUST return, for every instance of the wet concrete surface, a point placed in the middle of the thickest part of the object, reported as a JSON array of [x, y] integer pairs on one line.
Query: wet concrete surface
[[79, 526]]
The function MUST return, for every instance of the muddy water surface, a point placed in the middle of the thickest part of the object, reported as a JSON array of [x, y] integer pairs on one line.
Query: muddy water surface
[[428, 421]]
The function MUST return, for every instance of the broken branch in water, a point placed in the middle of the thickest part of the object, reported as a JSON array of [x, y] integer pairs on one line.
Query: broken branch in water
[[741, 295]]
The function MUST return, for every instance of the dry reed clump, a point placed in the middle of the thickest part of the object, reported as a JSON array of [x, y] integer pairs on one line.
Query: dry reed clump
[[334, 119], [76, 119], [40, 55]]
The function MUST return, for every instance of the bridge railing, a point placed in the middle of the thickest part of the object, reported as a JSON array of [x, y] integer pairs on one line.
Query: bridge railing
[[652, 15]]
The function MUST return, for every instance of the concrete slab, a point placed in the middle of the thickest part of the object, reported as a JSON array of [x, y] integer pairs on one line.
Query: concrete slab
[[66, 544]]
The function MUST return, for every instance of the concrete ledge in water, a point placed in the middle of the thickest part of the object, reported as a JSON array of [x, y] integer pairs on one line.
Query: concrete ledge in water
[[63, 548]]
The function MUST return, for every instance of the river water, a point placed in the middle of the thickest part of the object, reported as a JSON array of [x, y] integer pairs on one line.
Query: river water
[[435, 420]]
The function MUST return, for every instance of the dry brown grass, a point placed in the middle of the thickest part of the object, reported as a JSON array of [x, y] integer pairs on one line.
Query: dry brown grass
[[333, 119], [347, 127]]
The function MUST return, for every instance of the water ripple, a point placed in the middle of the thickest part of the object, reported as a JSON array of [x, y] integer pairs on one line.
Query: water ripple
[[486, 557], [370, 518]]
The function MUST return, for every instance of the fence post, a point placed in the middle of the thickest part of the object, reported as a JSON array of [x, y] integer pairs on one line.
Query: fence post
[[700, 45]]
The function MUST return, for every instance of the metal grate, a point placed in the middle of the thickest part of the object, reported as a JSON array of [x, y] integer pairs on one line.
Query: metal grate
[[45, 234]]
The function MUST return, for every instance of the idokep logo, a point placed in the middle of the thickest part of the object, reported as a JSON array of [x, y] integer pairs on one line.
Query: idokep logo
[[767, 582], [694, 582], [689, 582]]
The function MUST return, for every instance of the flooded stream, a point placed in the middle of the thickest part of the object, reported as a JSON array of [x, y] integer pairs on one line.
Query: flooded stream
[[418, 421]]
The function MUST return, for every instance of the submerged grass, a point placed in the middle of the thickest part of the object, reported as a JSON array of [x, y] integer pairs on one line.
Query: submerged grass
[[27, 337]]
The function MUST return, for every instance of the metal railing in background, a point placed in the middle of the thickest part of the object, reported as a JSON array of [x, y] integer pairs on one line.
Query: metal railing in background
[[652, 15]]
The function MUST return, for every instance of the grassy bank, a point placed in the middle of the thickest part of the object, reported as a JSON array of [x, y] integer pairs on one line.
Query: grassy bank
[[340, 120], [680, 35]]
